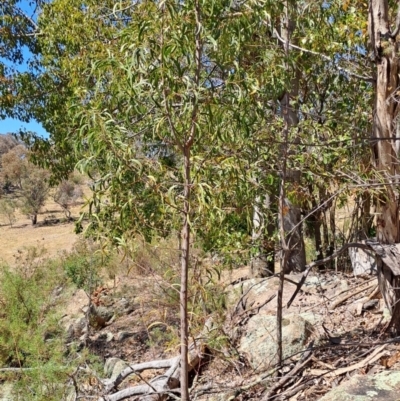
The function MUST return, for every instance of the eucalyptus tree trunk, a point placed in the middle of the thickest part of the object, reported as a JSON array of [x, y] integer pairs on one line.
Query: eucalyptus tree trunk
[[185, 254], [186, 229], [263, 263], [384, 51], [292, 226]]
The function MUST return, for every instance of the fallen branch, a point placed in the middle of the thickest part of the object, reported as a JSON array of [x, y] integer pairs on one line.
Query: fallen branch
[[16, 369], [374, 293], [140, 367], [162, 386], [347, 296], [351, 288], [158, 388], [374, 356], [323, 261], [291, 392]]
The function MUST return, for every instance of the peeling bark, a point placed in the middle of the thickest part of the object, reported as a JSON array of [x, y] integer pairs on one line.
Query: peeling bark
[[384, 50]]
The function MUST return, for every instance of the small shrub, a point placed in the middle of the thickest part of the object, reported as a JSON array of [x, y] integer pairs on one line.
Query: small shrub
[[77, 178], [83, 266], [30, 336], [7, 211]]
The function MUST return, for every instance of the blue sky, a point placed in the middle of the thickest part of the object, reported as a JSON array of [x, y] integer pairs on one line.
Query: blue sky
[[10, 124]]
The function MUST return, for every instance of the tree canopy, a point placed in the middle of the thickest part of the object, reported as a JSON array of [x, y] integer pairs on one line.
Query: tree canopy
[[195, 117]]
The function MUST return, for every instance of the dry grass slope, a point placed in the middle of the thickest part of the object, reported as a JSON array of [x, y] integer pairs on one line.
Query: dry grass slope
[[55, 238]]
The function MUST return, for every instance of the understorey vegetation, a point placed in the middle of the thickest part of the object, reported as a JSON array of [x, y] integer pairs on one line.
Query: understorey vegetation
[[210, 135]]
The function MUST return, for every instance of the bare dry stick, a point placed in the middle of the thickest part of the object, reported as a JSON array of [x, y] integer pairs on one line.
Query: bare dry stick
[[378, 352], [300, 365], [140, 367], [159, 388], [323, 261], [374, 293], [347, 296]]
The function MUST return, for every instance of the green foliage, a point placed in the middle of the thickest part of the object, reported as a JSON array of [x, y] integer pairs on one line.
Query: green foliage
[[18, 34], [34, 192], [83, 266], [129, 96], [30, 336]]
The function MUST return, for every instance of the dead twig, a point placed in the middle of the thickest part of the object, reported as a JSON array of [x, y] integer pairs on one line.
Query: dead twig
[[347, 296], [374, 293], [257, 308], [299, 365], [374, 356], [323, 261]]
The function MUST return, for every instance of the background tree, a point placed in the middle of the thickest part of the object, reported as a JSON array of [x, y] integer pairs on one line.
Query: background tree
[[31, 183], [7, 142], [34, 192], [15, 166], [66, 195]]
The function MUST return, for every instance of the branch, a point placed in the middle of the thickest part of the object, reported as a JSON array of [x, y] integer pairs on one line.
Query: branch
[[162, 384], [323, 261], [29, 19], [140, 367], [161, 387], [343, 298], [306, 357], [323, 56], [375, 355]]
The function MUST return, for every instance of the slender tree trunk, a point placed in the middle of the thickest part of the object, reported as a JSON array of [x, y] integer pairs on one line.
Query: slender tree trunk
[[185, 254], [292, 216], [285, 250], [384, 51], [315, 226], [366, 220], [185, 243], [332, 227]]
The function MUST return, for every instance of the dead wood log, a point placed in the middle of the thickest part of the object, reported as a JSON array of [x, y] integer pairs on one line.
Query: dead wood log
[[159, 388]]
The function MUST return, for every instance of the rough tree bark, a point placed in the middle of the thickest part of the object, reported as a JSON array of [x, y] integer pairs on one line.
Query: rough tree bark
[[384, 52]]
